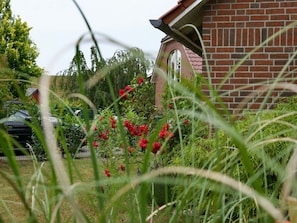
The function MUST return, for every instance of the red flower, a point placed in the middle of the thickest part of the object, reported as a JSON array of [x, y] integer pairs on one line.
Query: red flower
[[170, 135], [95, 144], [134, 131], [186, 121], [113, 122], [143, 143], [165, 134], [122, 167], [104, 136], [122, 93], [129, 88], [140, 80], [156, 147], [131, 149], [170, 106], [107, 173], [143, 129], [127, 124], [165, 127]]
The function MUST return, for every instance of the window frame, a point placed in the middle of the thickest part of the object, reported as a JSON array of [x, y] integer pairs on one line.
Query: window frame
[[174, 66]]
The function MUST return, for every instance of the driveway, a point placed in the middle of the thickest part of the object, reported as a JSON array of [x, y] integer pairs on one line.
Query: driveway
[[83, 153]]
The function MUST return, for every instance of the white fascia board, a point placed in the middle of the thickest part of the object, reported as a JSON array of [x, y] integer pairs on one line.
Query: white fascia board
[[187, 10]]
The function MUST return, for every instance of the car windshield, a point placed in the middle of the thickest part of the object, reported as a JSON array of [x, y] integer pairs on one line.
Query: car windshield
[[20, 115]]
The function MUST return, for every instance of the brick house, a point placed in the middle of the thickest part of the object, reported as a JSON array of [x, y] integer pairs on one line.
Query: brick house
[[230, 30]]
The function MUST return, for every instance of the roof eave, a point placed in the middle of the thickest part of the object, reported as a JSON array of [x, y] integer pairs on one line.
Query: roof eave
[[173, 22], [177, 35]]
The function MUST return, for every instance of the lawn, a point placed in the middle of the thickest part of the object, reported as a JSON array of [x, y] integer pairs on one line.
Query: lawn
[[37, 179], [82, 172]]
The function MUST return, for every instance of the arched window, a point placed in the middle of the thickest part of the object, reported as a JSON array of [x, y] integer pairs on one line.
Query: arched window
[[174, 66]]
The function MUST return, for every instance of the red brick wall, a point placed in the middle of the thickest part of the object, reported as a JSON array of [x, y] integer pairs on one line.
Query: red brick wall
[[231, 29]]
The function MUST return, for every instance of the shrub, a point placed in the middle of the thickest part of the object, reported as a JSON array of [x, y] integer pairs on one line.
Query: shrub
[[268, 135], [139, 97], [70, 136]]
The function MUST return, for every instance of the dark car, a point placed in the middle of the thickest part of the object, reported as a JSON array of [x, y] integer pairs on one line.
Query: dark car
[[18, 127]]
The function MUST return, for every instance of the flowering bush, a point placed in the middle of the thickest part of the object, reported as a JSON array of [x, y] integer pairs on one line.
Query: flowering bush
[[139, 97], [140, 137], [143, 134], [107, 135], [104, 132]]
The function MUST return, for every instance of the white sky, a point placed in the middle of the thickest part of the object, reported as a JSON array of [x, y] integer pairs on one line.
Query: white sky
[[57, 25]]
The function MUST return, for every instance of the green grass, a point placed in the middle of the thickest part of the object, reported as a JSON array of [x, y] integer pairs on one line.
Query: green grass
[[82, 174], [85, 194], [10, 198]]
